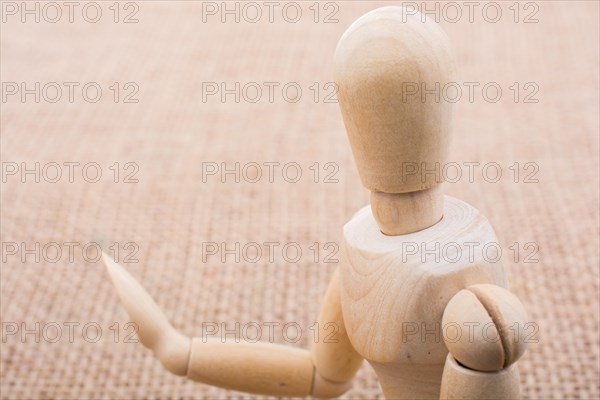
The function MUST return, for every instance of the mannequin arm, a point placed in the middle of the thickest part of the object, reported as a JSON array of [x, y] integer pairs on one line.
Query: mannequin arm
[[483, 328], [262, 368]]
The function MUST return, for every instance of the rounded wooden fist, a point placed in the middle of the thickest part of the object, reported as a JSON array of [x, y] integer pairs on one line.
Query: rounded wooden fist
[[484, 327]]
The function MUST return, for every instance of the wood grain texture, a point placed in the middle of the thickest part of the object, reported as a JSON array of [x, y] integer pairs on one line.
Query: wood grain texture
[[394, 294]]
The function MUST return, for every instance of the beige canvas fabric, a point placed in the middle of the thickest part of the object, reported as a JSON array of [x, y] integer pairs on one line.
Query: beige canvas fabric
[[174, 214]]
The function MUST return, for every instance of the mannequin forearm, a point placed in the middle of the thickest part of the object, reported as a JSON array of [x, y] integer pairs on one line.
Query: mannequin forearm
[[262, 368], [265, 368]]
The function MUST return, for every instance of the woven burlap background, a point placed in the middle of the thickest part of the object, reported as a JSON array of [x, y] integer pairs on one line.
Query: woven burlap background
[[171, 210]]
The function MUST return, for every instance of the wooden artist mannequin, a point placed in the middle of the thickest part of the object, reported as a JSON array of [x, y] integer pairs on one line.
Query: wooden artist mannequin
[[431, 325]]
